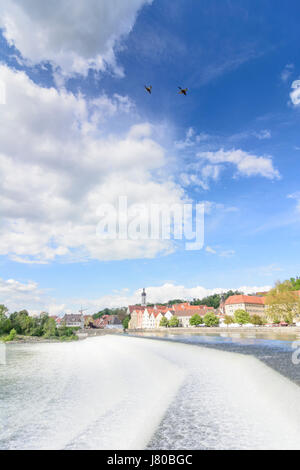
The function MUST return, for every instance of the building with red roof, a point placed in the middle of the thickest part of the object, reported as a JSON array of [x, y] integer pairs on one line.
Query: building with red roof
[[253, 304]]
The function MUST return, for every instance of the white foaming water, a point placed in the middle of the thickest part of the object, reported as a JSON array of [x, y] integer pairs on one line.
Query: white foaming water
[[118, 392]]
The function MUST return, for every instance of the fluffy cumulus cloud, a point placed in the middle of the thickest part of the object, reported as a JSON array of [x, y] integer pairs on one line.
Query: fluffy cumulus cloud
[[57, 167], [73, 35], [295, 93], [245, 163], [16, 295]]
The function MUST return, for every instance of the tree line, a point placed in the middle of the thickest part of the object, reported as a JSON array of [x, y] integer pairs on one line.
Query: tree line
[[21, 323]]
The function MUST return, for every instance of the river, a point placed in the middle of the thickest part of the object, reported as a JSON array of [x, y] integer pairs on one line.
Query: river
[[179, 392]]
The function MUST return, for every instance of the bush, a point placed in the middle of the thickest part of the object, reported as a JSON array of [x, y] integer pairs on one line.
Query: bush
[[68, 338], [256, 320], [241, 317], [12, 335], [64, 331], [211, 320], [196, 320], [228, 320]]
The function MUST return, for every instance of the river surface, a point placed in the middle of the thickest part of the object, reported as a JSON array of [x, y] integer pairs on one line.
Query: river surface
[[168, 392]]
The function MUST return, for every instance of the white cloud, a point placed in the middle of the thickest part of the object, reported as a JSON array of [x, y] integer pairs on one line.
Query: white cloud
[[209, 249], [221, 253], [204, 174], [164, 293], [246, 164], [296, 196], [74, 36], [262, 135], [191, 139], [56, 168], [287, 72], [295, 94], [16, 296]]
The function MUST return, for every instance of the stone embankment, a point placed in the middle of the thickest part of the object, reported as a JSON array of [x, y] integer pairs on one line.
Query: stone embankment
[[260, 329]]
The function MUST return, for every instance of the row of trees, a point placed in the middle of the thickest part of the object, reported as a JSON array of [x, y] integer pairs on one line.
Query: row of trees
[[209, 320], [21, 323], [242, 317], [215, 300]]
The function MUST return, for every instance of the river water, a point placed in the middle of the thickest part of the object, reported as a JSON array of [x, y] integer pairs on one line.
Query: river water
[[179, 392]]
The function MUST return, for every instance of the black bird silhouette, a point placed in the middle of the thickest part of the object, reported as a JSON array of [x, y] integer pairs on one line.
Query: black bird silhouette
[[149, 89], [183, 91]]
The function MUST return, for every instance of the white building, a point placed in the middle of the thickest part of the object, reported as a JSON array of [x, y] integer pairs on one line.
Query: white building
[[252, 304]]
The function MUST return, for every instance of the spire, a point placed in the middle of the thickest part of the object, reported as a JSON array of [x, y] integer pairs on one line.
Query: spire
[[144, 295]]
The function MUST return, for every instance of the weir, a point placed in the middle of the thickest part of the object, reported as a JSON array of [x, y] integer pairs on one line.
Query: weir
[[118, 392]]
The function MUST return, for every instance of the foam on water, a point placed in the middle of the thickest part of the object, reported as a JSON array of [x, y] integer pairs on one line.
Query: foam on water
[[118, 392]]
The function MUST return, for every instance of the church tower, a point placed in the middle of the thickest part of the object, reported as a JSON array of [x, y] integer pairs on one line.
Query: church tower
[[144, 295]]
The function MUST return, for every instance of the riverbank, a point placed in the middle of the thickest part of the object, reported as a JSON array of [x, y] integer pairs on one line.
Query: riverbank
[[204, 330], [35, 339], [80, 336]]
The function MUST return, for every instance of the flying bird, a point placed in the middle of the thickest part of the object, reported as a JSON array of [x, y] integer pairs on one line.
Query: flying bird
[[149, 89], [183, 91]]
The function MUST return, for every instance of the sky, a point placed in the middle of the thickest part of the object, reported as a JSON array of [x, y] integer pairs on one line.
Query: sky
[[78, 130]]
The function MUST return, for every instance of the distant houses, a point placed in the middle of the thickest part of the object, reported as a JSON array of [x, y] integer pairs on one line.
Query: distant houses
[[143, 318], [73, 321]]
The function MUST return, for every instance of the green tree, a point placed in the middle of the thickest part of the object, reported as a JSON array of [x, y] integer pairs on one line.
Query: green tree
[[211, 320], [164, 322], [215, 299], [21, 322], [49, 327], [174, 322], [196, 320], [295, 283], [241, 317], [3, 310], [228, 320], [126, 322], [5, 323], [282, 303], [256, 320]]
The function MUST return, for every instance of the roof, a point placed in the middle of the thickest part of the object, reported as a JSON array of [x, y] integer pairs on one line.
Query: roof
[[181, 306], [188, 312], [132, 308], [72, 318], [245, 299], [114, 320]]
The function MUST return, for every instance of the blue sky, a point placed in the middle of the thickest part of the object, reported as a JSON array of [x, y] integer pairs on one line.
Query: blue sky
[[232, 142]]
